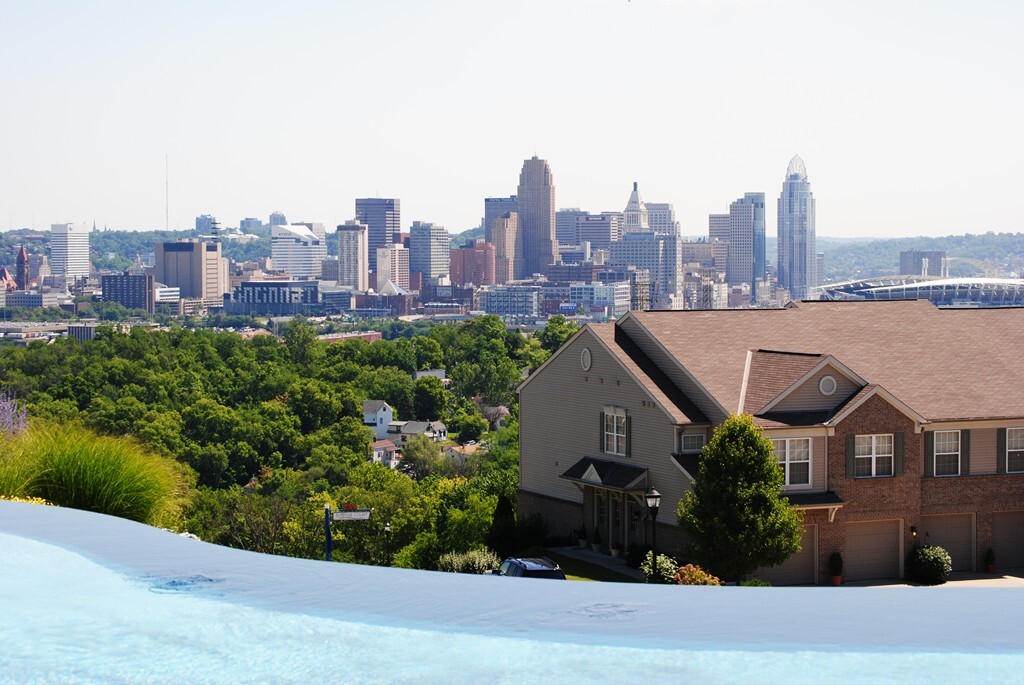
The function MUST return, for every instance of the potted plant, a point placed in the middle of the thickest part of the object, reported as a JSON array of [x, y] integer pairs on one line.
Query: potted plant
[[582, 538], [990, 560], [835, 567], [595, 542], [616, 549]]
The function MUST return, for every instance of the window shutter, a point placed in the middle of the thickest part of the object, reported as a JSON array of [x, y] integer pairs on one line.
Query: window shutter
[[851, 451], [600, 433], [629, 435], [929, 453], [1001, 450], [897, 448], [965, 453]]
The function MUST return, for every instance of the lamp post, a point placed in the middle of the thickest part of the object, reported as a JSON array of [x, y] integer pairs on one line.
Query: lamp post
[[387, 542], [653, 498]]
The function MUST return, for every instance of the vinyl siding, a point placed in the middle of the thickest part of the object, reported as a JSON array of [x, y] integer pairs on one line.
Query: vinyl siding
[[671, 369], [559, 416], [808, 397], [983, 450]]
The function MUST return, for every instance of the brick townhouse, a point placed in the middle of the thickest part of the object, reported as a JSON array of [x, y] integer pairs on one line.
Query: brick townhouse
[[893, 422]]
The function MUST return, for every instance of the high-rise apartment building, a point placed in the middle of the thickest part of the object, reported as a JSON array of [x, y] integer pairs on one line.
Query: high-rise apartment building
[[429, 251], [636, 217], [195, 267], [383, 219], [742, 229], [296, 250], [798, 255], [277, 219], [535, 242], [924, 263], [353, 256], [392, 265], [134, 291], [205, 224], [69, 251]]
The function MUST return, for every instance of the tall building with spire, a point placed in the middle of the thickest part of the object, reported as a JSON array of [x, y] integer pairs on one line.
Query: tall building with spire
[[536, 246], [636, 216], [798, 254], [21, 275]]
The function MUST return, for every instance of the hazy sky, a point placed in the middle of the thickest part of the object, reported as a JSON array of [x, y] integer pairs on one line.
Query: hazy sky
[[908, 113]]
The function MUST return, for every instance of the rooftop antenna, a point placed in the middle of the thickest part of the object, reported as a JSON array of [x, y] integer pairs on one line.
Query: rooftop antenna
[[167, 202]]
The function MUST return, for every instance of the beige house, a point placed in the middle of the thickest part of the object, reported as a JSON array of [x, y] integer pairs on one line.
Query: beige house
[[894, 422]]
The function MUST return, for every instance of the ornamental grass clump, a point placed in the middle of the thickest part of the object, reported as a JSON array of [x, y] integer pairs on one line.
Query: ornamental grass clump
[[477, 561], [15, 470], [73, 467]]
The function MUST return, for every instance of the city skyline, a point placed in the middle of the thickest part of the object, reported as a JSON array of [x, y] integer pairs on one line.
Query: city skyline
[[913, 136]]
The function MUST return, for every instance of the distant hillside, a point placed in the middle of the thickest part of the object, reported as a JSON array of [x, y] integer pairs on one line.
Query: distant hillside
[[989, 254], [470, 236]]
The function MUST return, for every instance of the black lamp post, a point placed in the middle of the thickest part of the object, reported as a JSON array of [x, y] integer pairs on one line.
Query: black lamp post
[[653, 498], [387, 542]]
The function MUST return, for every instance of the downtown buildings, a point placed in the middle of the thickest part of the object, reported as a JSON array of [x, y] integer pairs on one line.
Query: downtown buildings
[[69, 251], [798, 255]]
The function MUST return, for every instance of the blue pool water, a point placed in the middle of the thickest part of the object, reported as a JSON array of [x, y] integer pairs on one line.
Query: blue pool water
[[65, 618]]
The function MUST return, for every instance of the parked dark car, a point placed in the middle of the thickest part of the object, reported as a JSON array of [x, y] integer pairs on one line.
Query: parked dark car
[[531, 567]]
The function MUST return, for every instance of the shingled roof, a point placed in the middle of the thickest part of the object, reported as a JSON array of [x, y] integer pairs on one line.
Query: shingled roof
[[947, 364]]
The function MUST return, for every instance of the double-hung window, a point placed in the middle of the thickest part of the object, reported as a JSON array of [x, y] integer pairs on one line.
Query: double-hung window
[[615, 431], [690, 443], [1014, 450], [795, 460], [873, 456], [947, 453]]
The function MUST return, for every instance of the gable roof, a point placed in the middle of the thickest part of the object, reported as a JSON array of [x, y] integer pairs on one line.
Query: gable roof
[[769, 373], [373, 406], [945, 364]]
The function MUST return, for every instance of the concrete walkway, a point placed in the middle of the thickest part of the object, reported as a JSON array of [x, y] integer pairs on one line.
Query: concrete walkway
[[617, 564]]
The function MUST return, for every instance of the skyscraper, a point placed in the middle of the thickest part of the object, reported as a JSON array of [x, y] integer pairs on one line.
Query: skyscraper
[[636, 216], [69, 251], [798, 254], [505, 236], [353, 256], [383, 219], [195, 267], [429, 251], [743, 229], [535, 241], [496, 208], [393, 263], [662, 216], [278, 219], [21, 275], [297, 250]]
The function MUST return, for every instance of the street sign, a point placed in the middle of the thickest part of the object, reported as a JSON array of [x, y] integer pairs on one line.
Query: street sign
[[352, 515]]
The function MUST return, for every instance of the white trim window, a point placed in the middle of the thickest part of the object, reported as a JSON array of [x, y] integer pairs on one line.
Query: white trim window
[[794, 460], [873, 456], [947, 453], [1014, 450], [615, 431], [691, 443]]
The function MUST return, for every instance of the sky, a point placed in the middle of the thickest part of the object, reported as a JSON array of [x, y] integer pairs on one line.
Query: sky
[[907, 114]]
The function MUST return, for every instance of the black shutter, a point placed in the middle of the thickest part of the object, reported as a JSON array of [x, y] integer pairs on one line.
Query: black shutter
[[965, 453], [1001, 450], [929, 453], [851, 453], [897, 454], [600, 434]]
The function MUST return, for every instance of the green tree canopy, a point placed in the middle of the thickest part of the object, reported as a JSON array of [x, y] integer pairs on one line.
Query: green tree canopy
[[735, 516]]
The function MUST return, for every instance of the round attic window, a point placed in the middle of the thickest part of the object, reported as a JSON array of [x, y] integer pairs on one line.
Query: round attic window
[[585, 359], [827, 385]]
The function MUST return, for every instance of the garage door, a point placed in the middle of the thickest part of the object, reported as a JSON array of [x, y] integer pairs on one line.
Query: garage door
[[799, 568], [1008, 539], [872, 550], [955, 534]]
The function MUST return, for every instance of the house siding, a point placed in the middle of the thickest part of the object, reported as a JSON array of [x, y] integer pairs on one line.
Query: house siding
[[807, 397], [983, 451], [549, 447]]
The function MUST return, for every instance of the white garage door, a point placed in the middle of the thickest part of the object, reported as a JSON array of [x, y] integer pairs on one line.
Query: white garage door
[[800, 568], [872, 550], [955, 534], [1008, 539]]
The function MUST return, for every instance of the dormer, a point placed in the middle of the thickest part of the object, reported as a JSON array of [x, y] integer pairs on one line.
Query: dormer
[[789, 383]]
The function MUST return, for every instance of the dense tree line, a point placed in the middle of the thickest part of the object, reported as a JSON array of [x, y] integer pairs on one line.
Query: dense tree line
[[272, 428]]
